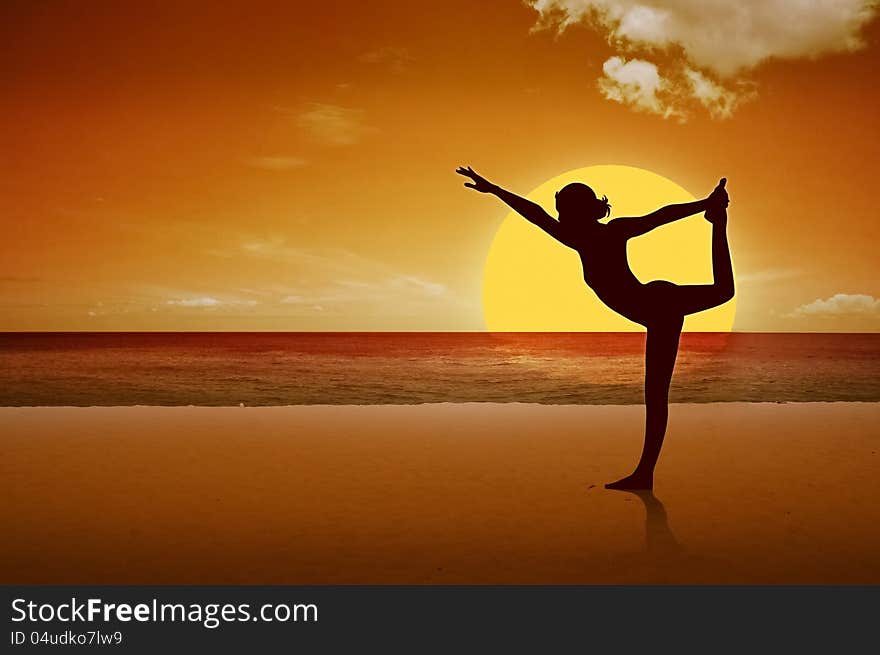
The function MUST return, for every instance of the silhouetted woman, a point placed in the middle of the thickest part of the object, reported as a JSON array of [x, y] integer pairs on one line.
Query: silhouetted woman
[[659, 305]]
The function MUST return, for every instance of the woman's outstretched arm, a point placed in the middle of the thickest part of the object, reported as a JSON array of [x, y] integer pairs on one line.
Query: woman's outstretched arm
[[531, 211], [634, 227]]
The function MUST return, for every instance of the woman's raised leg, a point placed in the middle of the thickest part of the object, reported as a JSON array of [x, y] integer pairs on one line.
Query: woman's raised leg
[[692, 298], [661, 350]]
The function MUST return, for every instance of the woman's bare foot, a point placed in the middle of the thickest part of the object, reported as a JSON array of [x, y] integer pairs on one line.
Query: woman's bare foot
[[634, 482]]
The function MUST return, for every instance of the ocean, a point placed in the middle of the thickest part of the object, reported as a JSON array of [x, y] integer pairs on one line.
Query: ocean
[[217, 369]]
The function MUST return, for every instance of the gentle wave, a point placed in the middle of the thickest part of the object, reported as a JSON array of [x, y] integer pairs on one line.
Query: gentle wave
[[220, 369]]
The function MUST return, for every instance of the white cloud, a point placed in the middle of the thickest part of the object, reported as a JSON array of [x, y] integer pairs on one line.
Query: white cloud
[[768, 275], [335, 278], [638, 83], [840, 304], [395, 58], [635, 82], [209, 301], [321, 261], [333, 125], [718, 100], [426, 286], [204, 301], [709, 44], [405, 289], [276, 163], [396, 285], [339, 280]]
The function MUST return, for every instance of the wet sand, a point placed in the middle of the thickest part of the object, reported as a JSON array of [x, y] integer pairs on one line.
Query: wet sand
[[438, 494]]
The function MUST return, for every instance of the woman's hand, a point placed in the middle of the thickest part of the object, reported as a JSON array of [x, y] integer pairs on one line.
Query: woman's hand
[[477, 183], [716, 212], [719, 199]]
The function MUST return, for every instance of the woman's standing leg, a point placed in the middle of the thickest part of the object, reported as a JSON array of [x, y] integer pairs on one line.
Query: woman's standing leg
[[661, 350]]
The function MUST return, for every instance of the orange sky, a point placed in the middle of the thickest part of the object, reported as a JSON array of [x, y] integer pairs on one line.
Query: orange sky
[[266, 166]]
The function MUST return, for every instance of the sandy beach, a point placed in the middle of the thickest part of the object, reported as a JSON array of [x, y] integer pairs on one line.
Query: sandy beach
[[437, 494]]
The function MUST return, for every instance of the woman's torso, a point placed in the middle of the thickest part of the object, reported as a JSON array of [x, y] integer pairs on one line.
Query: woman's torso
[[607, 272]]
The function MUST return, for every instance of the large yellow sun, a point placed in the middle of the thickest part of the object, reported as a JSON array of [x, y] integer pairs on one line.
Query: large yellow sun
[[532, 283]]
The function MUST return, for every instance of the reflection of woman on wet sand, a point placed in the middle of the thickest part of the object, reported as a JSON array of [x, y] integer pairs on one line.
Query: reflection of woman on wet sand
[[658, 305]]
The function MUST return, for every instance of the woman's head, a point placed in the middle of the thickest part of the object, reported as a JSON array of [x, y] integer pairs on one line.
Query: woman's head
[[577, 200]]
